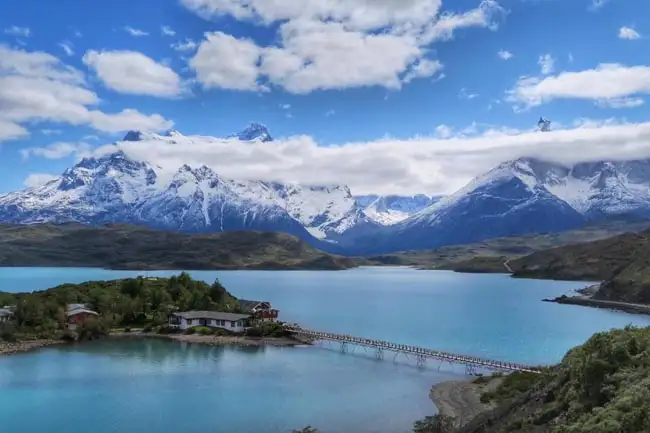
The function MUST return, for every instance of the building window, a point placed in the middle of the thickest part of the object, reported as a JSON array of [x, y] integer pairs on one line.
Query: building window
[[189, 321]]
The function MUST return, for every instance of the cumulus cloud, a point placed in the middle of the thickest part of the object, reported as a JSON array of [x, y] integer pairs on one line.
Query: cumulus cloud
[[441, 163], [18, 31], [38, 179], [135, 32], [628, 33], [133, 73], [36, 86], [505, 54], [466, 94], [607, 82], [331, 44]]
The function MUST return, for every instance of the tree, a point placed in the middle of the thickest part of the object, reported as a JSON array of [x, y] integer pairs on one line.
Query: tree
[[308, 429], [435, 424]]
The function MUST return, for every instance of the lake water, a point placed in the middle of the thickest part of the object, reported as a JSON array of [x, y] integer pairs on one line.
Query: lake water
[[165, 387]]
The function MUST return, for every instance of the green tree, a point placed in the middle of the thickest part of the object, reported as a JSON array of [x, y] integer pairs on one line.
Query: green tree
[[435, 424]]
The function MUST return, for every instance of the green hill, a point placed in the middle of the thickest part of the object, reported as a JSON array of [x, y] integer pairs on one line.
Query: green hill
[[602, 386], [120, 246]]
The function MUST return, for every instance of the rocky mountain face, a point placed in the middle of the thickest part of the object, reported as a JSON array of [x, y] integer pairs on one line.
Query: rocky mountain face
[[517, 197]]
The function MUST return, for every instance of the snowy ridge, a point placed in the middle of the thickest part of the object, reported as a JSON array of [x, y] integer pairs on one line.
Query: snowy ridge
[[392, 209]]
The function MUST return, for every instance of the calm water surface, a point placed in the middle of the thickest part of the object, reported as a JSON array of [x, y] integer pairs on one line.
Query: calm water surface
[[165, 387]]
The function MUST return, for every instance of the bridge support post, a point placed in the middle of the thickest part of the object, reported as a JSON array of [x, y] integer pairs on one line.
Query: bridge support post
[[380, 353], [421, 360], [470, 370], [344, 346]]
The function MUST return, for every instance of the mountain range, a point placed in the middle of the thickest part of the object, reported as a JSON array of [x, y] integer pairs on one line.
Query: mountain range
[[517, 197]]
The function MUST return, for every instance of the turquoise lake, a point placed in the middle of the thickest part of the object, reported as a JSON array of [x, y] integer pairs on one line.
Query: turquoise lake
[[141, 386]]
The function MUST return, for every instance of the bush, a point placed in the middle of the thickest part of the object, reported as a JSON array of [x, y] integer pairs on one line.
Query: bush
[[147, 329], [203, 330], [127, 329], [255, 332], [190, 331]]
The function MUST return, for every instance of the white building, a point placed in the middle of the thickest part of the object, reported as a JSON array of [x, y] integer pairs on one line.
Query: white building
[[212, 319], [6, 314]]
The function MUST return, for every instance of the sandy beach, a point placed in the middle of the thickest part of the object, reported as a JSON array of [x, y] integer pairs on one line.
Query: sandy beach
[[461, 398], [7, 348]]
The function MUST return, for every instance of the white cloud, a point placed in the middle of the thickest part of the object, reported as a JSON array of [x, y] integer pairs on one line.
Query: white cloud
[[240, 72], [11, 131], [505, 54], [56, 150], [285, 106], [135, 32], [329, 113], [628, 33], [621, 102], [546, 63], [187, 45], [443, 131], [66, 46], [167, 31], [18, 31], [465, 94], [38, 179], [331, 44], [133, 73], [36, 87], [605, 82], [427, 165]]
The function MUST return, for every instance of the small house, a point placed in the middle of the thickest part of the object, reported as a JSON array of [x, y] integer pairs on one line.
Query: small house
[[6, 314], [77, 314], [260, 310], [212, 319]]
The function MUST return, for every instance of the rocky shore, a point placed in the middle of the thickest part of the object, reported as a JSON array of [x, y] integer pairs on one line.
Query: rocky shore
[[216, 340], [585, 297], [7, 348], [461, 399]]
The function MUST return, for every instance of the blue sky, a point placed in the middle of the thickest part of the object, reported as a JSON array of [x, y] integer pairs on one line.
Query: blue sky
[[338, 72]]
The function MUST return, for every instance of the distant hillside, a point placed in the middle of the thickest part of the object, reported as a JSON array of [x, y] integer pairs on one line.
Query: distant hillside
[[489, 255], [602, 386], [119, 246]]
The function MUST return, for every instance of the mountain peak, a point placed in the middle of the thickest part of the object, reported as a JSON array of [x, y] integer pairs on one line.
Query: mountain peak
[[133, 136], [254, 132]]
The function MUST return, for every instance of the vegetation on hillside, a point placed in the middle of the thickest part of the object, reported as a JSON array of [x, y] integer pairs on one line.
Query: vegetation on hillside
[[489, 255], [602, 386], [131, 302], [121, 246]]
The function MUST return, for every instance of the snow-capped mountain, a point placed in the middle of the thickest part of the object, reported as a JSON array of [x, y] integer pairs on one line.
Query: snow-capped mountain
[[116, 188], [254, 132], [390, 209], [523, 196]]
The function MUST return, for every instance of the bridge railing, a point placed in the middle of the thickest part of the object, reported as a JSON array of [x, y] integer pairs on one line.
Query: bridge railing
[[414, 350]]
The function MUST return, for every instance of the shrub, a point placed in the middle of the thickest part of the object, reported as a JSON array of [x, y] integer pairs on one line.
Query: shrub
[[8, 334], [190, 331], [127, 329], [203, 330], [147, 329]]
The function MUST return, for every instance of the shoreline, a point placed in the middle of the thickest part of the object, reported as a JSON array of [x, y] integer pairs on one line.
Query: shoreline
[[461, 399], [216, 340], [585, 297], [11, 348]]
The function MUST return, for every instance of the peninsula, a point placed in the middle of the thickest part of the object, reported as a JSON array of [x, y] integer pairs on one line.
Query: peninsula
[[142, 306]]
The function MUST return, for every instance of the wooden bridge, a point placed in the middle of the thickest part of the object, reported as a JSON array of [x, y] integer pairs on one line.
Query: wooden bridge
[[421, 355]]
